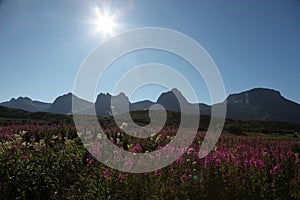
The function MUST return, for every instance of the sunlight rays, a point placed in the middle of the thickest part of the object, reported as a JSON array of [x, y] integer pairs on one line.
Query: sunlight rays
[[105, 22]]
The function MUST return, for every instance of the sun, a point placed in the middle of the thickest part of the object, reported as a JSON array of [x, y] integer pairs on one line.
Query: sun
[[105, 22]]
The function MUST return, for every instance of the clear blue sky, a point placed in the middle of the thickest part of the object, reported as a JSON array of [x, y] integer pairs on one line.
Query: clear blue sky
[[254, 43]]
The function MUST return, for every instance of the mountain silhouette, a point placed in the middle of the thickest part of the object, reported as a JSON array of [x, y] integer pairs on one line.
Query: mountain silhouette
[[106, 104], [25, 103], [141, 105], [262, 104], [171, 101], [63, 104], [254, 104]]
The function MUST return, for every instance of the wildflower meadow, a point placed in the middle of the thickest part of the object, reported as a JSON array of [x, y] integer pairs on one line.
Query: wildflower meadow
[[50, 162]]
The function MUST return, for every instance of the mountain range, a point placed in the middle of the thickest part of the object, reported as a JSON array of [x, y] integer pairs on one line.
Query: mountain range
[[254, 104]]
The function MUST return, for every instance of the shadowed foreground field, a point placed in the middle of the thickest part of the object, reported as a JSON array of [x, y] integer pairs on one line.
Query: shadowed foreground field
[[50, 162]]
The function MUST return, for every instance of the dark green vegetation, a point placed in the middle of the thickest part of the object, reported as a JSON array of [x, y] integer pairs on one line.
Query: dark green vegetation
[[10, 116], [50, 162], [41, 157]]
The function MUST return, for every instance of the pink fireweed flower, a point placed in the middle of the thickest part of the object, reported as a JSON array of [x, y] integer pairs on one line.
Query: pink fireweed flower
[[187, 171], [276, 168], [106, 173], [14, 147], [246, 162], [205, 161], [290, 153], [25, 157], [257, 163], [217, 162], [265, 149], [43, 147], [121, 176], [96, 151], [221, 154], [32, 138], [183, 177], [137, 148], [190, 151], [111, 140], [128, 164], [202, 154], [89, 161], [179, 160], [260, 163], [245, 154], [158, 155]]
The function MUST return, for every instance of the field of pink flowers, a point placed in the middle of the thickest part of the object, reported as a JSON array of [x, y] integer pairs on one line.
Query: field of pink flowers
[[50, 162]]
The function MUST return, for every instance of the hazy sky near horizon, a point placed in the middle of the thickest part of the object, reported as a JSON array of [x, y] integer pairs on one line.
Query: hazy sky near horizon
[[254, 43]]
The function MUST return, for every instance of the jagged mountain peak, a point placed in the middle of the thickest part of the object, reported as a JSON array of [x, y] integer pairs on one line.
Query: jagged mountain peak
[[25, 103], [253, 104], [23, 99], [63, 104]]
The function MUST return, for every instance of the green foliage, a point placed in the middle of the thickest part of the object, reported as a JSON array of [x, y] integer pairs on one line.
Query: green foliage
[[235, 129], [50, 162], [10, 116]]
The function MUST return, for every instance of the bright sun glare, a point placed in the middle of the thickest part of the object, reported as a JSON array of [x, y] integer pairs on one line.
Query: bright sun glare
[[105, 23]]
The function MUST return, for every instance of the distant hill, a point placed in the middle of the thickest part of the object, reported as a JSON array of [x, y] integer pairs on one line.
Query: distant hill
[[63, 104], [25, 103], [254, 104], [262, 104], [169, 101], [20, 116], [141, 105]]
